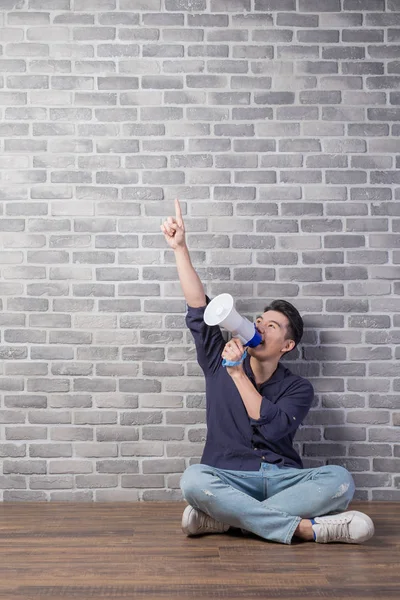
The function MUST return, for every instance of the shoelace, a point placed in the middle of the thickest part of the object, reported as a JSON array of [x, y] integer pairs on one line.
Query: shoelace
[[334, 529]]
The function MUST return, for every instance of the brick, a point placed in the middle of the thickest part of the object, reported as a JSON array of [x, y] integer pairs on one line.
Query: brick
[[229, 5], [343, 53], [227, 66], [318, 36], [350, 177], [117, 50], [93, 33], [299, 51], [316, 67], [345, 83], [162, 82], [296, 20], [76, 19], [299, 145], [346, 273], [383, 82]]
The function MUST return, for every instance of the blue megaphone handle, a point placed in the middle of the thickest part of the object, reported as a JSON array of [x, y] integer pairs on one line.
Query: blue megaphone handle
[[232, 363]]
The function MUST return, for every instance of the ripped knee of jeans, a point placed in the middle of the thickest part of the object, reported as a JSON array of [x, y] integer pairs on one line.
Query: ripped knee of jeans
[[342, 490]]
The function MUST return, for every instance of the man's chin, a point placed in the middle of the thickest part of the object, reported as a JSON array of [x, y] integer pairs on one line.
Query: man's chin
[[256, 350]]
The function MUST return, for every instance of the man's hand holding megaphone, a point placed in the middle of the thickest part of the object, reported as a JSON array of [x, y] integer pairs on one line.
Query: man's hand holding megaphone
[[233, 351]]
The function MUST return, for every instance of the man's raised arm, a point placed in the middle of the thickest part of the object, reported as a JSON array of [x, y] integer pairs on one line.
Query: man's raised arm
[[174, 232]]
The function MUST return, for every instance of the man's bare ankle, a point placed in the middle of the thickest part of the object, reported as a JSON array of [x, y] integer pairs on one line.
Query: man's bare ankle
[[304, 530]]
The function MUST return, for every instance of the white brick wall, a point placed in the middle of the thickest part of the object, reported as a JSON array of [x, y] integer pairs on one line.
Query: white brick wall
[[276, 122]]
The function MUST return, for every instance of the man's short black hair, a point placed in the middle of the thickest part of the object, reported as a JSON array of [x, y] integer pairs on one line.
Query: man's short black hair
[[296, 326]]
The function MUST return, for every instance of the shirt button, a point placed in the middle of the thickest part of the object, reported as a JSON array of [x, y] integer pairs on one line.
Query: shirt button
[[263, 457], [255, 448]]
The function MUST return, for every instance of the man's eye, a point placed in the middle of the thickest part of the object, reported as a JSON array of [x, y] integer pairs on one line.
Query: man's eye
[[270, 325]]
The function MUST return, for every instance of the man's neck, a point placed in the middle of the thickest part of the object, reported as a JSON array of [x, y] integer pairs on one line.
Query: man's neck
[[262, 370]]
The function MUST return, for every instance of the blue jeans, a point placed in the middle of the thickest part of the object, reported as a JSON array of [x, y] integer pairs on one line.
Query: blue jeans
[[270, 502]]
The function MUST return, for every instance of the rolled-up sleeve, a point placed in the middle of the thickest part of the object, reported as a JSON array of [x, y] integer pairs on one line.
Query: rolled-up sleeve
[[208, 339], [283, 417]]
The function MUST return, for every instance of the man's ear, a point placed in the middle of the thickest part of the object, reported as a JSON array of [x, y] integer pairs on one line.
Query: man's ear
[[289, 345]]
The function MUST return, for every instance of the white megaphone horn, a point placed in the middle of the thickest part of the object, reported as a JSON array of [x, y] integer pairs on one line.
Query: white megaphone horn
[[221, 311]]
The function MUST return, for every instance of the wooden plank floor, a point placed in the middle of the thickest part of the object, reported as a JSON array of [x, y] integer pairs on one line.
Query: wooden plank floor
[[137, 550]]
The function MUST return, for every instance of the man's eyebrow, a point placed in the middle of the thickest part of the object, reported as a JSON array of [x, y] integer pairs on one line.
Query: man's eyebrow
[[272, 321]]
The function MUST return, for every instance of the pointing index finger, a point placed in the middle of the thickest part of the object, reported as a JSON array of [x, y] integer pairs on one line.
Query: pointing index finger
[[178, 212]]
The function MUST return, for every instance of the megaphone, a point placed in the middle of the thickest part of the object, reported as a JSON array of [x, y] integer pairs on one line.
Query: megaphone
[[221, 311]]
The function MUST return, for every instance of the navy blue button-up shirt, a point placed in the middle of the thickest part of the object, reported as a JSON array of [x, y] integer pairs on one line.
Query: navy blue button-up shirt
[[235, 440]]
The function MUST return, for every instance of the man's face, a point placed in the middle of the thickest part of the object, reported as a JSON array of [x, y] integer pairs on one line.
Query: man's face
[[272, 325]]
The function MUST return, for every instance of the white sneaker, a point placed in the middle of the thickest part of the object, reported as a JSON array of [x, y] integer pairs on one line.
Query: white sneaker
[[352, 527], [195, 522]]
